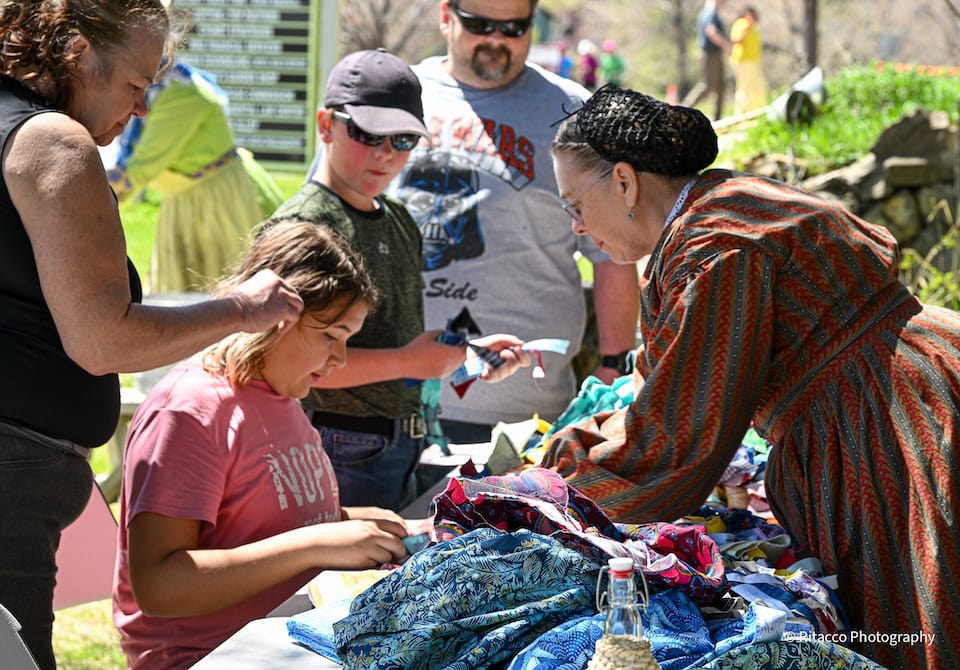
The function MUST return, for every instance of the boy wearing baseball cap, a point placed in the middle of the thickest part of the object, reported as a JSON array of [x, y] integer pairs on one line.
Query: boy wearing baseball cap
[[368, 412]]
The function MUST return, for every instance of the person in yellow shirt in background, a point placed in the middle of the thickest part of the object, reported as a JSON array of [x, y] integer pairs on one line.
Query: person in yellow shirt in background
[[746, 61]]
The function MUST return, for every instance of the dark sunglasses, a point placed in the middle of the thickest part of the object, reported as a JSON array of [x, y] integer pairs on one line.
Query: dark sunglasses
[[400, 141], [481, 25]]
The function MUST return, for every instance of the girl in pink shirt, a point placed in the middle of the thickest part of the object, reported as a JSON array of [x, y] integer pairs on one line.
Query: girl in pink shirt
[[229, 503]]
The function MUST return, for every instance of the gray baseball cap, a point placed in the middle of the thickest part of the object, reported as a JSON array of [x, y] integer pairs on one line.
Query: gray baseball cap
[[379, 91]]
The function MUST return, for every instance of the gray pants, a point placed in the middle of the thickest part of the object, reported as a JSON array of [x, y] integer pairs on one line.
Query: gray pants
[[45, 484], [713, 82]]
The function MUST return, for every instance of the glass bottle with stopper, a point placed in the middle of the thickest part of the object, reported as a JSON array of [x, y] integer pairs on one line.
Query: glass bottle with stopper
[[623, 613], [623, 645]]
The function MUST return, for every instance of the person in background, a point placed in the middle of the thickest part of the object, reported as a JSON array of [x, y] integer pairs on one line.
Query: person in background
[[612, 66], [214, 192], [588, 64], [746, 61], [566, 62], [72, 74], [368, 413], [229, 502], [713, 44], [768, 305], [484, 198]]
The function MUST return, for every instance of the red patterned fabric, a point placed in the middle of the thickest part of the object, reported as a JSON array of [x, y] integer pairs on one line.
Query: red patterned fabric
[[679, 557], [765, 303]]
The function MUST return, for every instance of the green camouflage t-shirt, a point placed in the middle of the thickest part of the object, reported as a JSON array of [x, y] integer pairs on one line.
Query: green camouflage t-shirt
[[389, 242]]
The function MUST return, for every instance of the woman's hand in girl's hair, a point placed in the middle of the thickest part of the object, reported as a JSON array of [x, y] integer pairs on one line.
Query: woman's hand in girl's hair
[[265, 300]]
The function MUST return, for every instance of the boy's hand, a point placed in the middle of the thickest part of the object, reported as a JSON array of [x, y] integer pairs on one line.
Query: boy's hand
[[508, 346]]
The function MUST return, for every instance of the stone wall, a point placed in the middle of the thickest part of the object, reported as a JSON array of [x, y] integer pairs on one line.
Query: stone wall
[[907, 182]]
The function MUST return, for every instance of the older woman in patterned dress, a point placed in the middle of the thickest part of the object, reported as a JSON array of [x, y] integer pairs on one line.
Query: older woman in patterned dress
[[763, 303]]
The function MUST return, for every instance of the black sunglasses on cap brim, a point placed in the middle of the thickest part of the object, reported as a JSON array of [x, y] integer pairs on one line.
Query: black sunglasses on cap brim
[[400, 141], [481, 25]]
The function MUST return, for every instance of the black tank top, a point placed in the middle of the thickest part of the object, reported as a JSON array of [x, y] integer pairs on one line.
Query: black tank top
[[40, 386]]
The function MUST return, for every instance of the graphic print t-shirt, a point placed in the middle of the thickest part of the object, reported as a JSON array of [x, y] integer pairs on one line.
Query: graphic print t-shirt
[[495, 238]]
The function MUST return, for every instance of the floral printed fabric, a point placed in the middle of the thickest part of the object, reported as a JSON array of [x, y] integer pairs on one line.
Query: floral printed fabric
[[802, 654], [669, 556], [682, 640], [499, 595], [471, 602]]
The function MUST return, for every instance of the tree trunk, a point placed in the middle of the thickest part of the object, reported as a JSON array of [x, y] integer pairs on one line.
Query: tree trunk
[[810, 32], [680, 40]]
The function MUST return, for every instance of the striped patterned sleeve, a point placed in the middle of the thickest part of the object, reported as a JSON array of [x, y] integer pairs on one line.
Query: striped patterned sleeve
[[707, 350]]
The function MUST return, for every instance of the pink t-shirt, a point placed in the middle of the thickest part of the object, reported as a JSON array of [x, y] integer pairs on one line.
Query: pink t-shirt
[[246, 463]]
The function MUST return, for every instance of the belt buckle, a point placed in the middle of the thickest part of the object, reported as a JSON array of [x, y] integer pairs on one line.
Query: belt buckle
[[413, 426]]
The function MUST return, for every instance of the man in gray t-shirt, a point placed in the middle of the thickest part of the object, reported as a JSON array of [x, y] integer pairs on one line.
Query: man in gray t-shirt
[[496, 239]]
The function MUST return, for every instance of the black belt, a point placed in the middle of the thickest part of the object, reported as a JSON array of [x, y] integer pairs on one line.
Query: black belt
[[411, 426]]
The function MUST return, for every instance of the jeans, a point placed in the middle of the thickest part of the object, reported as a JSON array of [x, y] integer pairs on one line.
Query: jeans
[[373, 469], [43, 489]]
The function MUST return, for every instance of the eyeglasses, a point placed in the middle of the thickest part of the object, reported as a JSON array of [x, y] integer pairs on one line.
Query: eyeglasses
[[570, 206], [400, 141], [481, 25]]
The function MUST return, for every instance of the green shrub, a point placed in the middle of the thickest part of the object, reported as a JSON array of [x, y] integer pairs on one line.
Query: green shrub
[[860, 102], [935, 278]]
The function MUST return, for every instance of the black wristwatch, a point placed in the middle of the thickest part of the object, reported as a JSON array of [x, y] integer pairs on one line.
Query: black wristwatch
[[616, 362]]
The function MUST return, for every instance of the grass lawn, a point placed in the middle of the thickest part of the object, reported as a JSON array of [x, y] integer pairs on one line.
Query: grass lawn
[[84, 637]]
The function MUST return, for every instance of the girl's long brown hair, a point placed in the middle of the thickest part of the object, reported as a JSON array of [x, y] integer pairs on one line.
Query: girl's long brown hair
[[317, 262]]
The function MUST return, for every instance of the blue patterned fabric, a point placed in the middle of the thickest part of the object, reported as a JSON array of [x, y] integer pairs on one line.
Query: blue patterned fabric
[[569, 646], [793, 655], [682, 640], [470, 602], [677, 632], [537, 499], [487, 597]]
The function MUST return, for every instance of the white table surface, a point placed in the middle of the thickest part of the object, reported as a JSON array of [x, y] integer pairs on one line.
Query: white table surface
[[264, 643]]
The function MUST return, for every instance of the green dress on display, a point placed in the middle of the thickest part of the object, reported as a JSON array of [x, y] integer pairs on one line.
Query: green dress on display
[[214, 193]]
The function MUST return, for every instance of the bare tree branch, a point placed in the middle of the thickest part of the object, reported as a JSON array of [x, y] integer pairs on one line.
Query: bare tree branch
[[953, 9]]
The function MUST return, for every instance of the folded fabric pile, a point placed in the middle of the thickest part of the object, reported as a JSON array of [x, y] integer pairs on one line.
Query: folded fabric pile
[[741, 484], [682, 557], [511, 583]]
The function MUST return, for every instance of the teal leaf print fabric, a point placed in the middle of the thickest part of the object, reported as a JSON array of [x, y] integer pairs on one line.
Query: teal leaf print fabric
[[471, 602]]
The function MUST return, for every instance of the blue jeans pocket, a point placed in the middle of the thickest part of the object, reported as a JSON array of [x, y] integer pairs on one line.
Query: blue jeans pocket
[[372, 469], [350, 449]]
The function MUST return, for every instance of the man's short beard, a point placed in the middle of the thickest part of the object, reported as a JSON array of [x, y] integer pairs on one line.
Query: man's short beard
[[486, 70]]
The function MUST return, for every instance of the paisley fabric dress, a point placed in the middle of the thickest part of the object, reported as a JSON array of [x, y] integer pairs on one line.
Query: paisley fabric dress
[[762, 303]]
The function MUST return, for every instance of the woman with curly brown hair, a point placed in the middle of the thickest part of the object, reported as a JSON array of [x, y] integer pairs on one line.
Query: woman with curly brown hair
[[72, 73], [766, 304]]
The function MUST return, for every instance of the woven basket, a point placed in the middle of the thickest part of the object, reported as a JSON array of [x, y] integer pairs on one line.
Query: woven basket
[[623, 652]]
